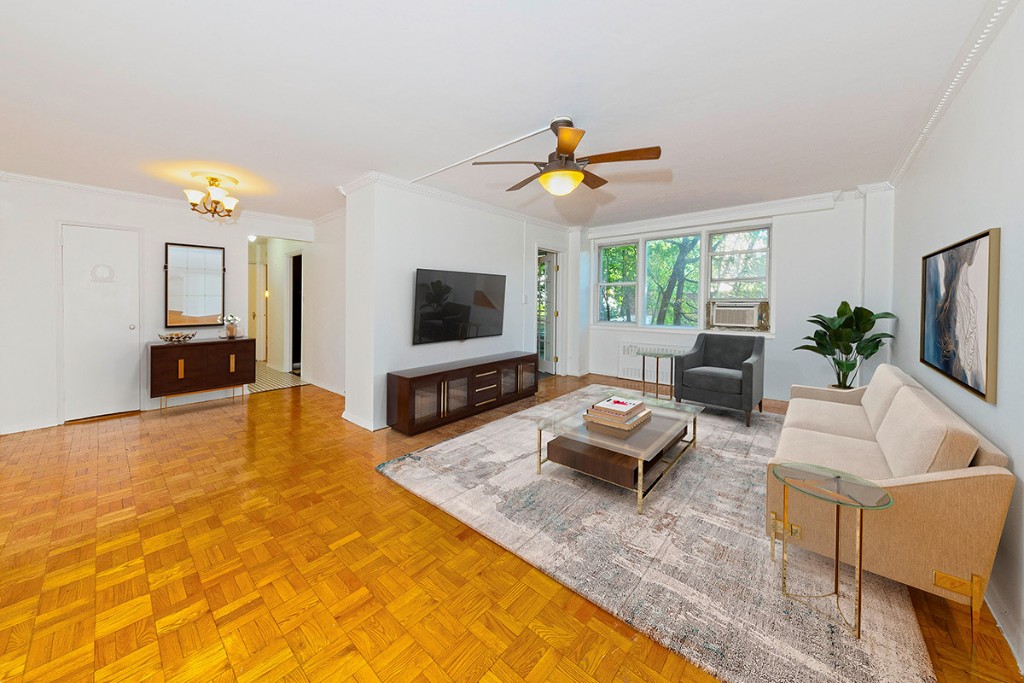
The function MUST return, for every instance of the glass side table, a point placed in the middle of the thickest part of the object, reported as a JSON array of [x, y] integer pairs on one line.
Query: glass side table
[[842, 490], [657, 356]]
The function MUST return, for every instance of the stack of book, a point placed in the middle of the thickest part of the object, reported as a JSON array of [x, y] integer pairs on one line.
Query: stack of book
[[615, 413]]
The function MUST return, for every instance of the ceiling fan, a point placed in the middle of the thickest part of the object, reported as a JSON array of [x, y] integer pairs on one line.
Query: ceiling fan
[[563, 172]]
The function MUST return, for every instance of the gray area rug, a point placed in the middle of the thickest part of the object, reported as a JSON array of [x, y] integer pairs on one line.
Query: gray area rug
[[694, 571]]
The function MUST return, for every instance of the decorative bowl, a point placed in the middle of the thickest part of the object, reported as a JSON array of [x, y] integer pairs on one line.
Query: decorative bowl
[[176, 337]]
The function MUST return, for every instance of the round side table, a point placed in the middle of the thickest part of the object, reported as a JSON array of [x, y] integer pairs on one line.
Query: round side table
[[842, 489]]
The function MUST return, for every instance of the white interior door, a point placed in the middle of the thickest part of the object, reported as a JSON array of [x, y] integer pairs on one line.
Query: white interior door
[[101, 321], [547, 312]]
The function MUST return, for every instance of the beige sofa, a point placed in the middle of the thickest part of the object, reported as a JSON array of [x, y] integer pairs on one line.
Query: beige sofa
[[950, 486]]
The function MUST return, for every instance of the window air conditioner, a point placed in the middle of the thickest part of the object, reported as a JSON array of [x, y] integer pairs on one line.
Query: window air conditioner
[[734, 314]]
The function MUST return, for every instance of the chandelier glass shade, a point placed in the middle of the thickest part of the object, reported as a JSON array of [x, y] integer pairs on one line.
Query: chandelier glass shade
[[215, 200]]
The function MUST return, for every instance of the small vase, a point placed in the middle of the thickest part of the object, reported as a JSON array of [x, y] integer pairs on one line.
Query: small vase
[[232, 330]]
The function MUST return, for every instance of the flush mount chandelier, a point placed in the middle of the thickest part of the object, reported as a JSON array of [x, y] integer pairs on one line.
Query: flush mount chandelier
[[214, 200]]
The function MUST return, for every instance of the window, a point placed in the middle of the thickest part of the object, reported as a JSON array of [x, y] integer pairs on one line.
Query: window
[[739, 265], [673, 281], [616, 290]]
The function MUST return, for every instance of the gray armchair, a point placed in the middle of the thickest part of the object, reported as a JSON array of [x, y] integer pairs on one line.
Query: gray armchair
[[723, 370]]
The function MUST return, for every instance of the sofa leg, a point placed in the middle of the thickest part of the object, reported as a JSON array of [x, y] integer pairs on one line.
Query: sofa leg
[[748, 418], [977, 600], [760, 406]]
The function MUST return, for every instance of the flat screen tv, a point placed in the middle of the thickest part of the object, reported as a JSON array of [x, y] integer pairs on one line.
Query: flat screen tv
[[451, 306]]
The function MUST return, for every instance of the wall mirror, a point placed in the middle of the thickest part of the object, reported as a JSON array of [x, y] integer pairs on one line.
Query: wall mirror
[[193, 285]]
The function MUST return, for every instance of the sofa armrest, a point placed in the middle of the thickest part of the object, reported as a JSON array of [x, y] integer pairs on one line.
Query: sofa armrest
[[847, 396]]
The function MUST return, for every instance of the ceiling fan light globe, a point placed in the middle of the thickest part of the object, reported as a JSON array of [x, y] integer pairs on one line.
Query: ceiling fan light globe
[[561, 182]]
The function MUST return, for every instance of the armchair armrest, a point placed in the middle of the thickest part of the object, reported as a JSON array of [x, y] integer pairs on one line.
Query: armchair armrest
[[753, 378], [847, 396], [693, 358]]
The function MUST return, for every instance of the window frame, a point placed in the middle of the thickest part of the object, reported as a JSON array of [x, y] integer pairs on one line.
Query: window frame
[[640, 239], [767, 251], [596, 308]]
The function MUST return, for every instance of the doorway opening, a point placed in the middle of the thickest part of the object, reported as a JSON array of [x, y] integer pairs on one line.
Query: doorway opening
[[547, 311], [297, 315]]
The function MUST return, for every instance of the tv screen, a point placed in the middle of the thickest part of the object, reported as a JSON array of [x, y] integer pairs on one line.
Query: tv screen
[[453, 306]]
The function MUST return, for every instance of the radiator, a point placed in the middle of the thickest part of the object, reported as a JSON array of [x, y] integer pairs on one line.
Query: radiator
[[630, 361]]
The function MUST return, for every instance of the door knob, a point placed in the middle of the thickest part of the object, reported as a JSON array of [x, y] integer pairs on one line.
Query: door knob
[[131, 327]]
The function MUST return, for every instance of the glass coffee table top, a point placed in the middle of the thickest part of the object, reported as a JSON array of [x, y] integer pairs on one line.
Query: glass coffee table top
[[668, 418], [833, 486]]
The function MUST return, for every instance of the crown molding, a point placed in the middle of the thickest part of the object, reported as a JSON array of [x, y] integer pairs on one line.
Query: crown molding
[[991, 20], [779, 207], [376, 177], [337, 213], [138, 196], [868, 188]]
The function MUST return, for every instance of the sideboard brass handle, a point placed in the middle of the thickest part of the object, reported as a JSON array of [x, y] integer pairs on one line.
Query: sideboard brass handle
[[181, 368], [231, 362]]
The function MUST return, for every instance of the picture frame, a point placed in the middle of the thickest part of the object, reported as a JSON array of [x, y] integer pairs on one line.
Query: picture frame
[[960, 312], [193, 285]]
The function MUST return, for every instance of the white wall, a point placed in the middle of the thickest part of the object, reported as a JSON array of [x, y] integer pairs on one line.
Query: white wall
[[816, 264], [391, 230], [323, 331], [31, 213], [970, 176]]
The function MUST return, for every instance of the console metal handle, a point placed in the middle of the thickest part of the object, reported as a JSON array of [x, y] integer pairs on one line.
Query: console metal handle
[[231, 363], [181, 368]]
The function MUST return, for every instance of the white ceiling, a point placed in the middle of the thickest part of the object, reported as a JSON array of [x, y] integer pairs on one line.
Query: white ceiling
[[750, 100]]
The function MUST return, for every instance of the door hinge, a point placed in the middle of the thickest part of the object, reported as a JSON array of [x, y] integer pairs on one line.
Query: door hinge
[[557, 267], [556, 359], [556, 314]]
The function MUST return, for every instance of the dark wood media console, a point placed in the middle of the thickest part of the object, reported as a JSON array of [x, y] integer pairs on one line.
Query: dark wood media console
[[423, 398], [201, 366]]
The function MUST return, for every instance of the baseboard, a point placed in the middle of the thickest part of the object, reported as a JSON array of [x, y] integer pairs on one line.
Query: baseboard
[[1008, 621], [358, 420]]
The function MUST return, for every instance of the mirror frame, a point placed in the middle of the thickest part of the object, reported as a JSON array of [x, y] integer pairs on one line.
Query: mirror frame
[[223, 273]]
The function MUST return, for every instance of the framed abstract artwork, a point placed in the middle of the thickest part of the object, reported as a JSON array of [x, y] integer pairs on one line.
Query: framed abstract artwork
[[960, 312]]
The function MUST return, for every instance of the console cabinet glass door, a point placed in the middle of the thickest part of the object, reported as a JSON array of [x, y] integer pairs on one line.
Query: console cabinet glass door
[[509, 380], [425, 402], [527, 376], [456, 394]]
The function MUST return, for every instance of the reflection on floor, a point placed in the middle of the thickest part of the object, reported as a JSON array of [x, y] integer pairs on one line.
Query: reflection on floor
[[268, 379]]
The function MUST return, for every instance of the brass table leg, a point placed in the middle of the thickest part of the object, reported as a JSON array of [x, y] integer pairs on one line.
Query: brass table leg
[[643, 375], [657, 377], [785, 533], [693, 441], [836, 582], [860, 567], [538, 449], [640, 488]]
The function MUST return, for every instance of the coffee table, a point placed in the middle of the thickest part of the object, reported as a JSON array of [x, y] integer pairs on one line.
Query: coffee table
[[636, 460]]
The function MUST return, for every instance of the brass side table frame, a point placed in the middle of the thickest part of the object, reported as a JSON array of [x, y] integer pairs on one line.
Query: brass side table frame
[[843, 490], [657, 356]]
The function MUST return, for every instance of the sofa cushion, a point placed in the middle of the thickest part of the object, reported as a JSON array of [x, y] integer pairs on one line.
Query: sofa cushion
[[881, 390], [832, 418], [722, 380], [856, 456], [917, 436]]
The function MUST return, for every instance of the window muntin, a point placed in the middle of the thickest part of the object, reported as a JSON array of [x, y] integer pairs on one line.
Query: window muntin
[[738, 264], [672, 268], [616, 291]]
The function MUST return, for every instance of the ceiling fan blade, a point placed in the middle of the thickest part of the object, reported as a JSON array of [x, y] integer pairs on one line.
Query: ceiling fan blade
[[568, 138], [641, 154], [495, 163], [592, 181], [523, 183]]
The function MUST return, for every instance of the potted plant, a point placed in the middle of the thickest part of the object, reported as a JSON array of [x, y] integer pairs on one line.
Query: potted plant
[[844, 340]]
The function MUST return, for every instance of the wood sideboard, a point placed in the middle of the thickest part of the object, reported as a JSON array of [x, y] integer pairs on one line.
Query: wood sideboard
[[423, 398], [202, 365]]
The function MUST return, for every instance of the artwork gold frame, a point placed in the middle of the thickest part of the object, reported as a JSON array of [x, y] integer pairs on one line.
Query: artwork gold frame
[[960, 312]]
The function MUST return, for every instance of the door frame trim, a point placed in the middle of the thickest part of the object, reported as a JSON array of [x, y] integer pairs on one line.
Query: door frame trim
[[560, 302], [59, 248]]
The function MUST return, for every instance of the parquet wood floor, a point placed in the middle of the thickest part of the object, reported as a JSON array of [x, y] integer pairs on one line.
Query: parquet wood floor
[[252, 540]]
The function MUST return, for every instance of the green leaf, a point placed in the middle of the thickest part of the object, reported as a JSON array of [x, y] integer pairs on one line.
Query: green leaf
[[863, 319], [844, 310], [808, 347], [883, 314], [846, 365]]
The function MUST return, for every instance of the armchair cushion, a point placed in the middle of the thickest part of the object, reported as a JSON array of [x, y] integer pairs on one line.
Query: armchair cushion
[[856, 456], [727, 351], [829, 417], [916, 438], [708, 378]]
